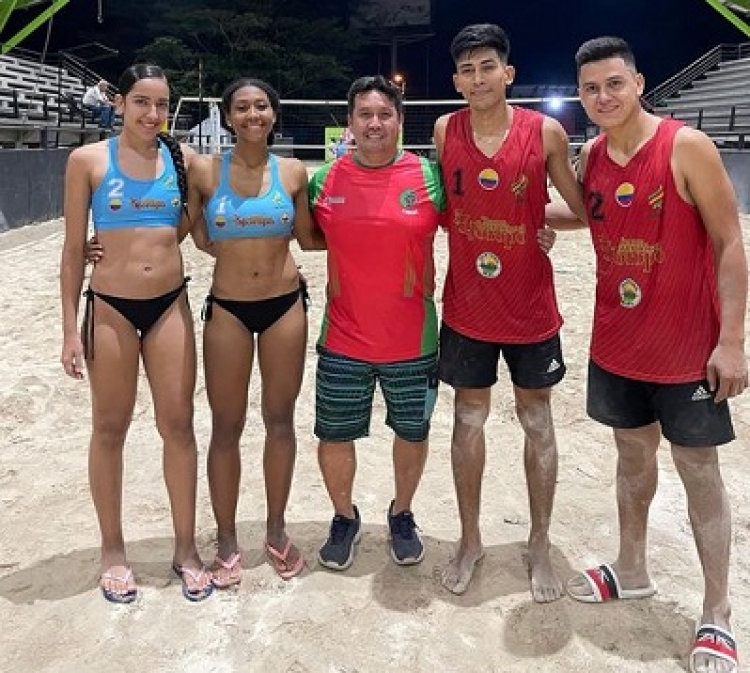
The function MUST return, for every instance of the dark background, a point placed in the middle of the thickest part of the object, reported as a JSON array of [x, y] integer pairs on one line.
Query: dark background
[[666, 35]]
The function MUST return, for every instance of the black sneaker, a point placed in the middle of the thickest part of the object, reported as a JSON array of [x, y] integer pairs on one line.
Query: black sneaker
[[406, 545], [338, 551]]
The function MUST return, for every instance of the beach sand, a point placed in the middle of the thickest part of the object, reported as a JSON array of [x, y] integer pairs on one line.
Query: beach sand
[[374, 617]]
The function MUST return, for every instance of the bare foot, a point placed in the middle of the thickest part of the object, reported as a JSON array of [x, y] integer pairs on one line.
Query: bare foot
[[545, 586], [457, 575]]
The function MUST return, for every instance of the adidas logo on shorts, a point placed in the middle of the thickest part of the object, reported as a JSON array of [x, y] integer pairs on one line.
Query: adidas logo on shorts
[[700, 394], [553, 366]]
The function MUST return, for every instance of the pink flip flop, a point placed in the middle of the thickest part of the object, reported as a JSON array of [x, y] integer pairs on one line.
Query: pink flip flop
[[280, 561], [127, 596], [234, 571], [193, 595]]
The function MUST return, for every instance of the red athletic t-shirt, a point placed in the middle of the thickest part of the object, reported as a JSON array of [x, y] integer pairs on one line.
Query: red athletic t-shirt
[[380, 226], [656, 316], [499, 285]]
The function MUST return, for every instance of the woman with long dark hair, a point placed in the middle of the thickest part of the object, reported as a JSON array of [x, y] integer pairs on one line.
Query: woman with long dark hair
[[135, 186]]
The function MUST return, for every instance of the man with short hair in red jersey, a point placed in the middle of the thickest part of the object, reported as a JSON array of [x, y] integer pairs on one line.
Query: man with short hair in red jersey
[[378, 208], [499, 296], [667, 347]]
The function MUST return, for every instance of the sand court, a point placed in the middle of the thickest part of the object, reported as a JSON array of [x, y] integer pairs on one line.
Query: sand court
[[374, 617]]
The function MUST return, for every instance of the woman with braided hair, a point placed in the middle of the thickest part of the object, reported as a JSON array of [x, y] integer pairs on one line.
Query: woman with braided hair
[[135, 186]]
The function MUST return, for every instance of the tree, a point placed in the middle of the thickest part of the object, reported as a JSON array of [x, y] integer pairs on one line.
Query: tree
[[287, 44]]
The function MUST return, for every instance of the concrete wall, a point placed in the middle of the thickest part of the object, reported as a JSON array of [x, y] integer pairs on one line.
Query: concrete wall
[[31, 185], [738, 166]]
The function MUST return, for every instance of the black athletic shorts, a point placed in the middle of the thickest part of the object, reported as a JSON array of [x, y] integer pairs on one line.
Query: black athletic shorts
[[686, 411], [469, 363]]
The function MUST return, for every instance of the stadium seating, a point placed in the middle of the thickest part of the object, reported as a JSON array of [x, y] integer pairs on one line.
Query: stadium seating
[[37, 105], [717, 102]]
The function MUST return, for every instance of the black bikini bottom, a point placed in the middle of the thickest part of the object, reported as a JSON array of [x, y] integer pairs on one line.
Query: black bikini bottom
[[142, 314], [257, 316]]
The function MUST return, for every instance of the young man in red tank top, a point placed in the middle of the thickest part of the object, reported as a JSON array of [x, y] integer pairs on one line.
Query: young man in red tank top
[[499, 295], [672, 283]]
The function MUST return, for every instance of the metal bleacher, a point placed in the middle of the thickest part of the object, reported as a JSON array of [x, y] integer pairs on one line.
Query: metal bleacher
[[36, 105], [712, 94]]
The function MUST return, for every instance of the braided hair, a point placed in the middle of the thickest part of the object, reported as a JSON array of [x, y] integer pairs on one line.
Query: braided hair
[[178, 159], [128, 78]]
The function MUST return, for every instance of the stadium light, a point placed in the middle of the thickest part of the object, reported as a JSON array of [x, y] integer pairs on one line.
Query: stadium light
[[555, 103]]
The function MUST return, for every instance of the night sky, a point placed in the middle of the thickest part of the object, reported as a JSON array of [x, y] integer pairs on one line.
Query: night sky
[[666, 35]]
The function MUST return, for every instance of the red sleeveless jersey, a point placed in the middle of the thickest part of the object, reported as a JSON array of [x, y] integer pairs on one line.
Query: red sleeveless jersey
[[499, 285], [656, 316]]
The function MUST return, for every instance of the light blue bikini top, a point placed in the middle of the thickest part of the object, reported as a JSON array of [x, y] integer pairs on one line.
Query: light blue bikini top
[[229, 215], [122, 202]]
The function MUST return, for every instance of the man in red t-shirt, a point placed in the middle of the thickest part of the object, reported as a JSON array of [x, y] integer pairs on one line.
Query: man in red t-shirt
[[378, 209], [667, 346], [499, 296]]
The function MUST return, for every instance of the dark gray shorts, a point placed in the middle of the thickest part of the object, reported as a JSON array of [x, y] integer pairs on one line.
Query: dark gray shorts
[[686, 411], [469, 363]]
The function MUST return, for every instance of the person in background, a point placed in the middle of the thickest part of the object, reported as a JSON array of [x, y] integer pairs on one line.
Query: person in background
[[97, 101]]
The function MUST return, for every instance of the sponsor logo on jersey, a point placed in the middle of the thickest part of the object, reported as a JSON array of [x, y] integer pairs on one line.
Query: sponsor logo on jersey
[[176, 203], [553, 366], [487, 229], [334, 200], [489, 265], [519, 185], [633, 252], [488, 179], [277, 199], [630, 293], [408, 198], [253, 220], [656, 198], [625, 194], [220, 221], [147, 204], [115, 204]]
